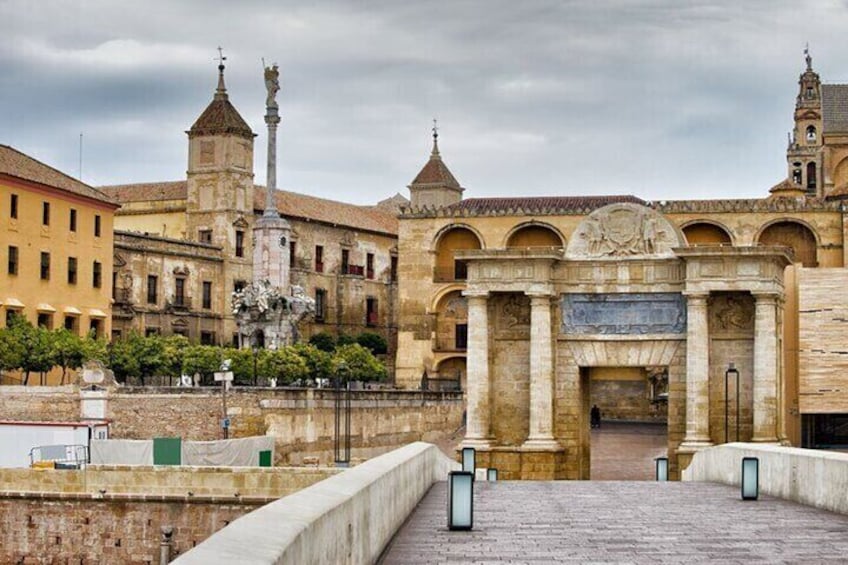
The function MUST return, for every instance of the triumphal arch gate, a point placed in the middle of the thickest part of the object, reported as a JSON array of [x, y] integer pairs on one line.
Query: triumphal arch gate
[[626, 292]]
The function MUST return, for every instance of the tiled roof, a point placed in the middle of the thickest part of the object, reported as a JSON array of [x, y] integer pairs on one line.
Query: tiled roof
[[787, 187], [540, 203], [436, 172], [294, 205], [175, 190], [290, 204], [220, 117], [835, 108], [17, 164]]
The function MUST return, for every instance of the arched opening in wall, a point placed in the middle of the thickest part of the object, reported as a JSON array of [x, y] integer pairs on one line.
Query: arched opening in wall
[[840, 174], [811, 134], [452, 323], [703, 233], [797, 236], [534, 236], [447, 267], [450, 375]]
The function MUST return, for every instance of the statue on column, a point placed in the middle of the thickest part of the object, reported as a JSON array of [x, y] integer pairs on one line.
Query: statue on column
[[272, 85]]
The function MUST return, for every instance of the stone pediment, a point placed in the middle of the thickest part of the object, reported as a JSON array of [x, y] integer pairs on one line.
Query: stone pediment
[[624, 230]]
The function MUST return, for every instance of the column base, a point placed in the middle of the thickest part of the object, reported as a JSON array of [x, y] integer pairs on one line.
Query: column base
[[541, 444], [476, 443]]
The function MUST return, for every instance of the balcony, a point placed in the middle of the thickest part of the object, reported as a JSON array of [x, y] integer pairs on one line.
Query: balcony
[[372, 319], [356, 270], [178, 302]]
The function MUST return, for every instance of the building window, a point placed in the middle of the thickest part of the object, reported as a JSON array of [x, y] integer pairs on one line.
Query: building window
[[319, 258], [238, 286], [320, 304], [97, 274], [13, 206], [72, 270], [461, 341], [393, 269], [292, 250], [207, 295], [73, 220], [179, 291], [207, 338], [204, 236], [152, 289], [95, 329], [10, 315], [235, 341], [114, 285], [239, 243], [151, 332], [13, 260], [45, 213], [371, 312], [811, 134], [45, 266], [345, 261], [460, 270], [45, 320], [97, 225], [369, 265], [181, 331], [71, 323]]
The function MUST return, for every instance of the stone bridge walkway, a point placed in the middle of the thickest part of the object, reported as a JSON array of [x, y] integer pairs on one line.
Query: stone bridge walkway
[[619, 522]]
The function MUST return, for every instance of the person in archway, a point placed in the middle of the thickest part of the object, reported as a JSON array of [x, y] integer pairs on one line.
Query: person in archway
[[595, 416]]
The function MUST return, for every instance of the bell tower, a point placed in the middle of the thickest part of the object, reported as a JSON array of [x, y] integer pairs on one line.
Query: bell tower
[[804, 153], [435, 186]]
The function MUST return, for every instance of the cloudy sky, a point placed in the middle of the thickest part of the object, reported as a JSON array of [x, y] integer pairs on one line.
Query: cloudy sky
[[663, 99]]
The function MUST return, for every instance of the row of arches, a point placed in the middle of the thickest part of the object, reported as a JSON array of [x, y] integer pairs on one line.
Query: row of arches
[[788, 233]]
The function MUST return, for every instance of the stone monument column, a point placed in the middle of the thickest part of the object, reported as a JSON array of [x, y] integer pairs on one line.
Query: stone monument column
[[478, 431], [541, 374], [765, 368], [697, 372]]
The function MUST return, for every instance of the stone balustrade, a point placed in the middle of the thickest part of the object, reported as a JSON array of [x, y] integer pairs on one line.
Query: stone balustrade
[[348, 518], [807, 476]]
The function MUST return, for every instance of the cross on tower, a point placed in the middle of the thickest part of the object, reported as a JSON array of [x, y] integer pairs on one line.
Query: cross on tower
[[435, 129], [221, 57]]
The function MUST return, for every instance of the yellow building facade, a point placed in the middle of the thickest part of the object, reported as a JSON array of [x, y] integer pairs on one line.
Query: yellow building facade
[[56, 247]]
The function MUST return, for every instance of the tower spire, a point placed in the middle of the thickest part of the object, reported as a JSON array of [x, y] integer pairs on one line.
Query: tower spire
[[221, 91], [435, 152]]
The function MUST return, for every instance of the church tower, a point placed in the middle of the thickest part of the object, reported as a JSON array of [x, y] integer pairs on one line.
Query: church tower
[[434, 186], [804, 153], [219, 199]]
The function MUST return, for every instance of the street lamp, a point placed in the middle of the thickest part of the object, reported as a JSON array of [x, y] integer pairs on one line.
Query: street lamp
[[731, 370]]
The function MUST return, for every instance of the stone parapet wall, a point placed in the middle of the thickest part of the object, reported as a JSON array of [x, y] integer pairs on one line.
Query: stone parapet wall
[[807, 476], [349, 518]]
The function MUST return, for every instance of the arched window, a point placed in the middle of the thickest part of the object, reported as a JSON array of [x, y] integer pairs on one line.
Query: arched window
[[811, 134], [811, 176]]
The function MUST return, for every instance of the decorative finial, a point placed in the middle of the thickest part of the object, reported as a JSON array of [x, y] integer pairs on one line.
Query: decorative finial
[[221, 92], [808, 57], [435, 137]]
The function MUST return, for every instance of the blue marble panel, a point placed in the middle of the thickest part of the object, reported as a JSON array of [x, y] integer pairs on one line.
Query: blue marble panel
[[622, 314]]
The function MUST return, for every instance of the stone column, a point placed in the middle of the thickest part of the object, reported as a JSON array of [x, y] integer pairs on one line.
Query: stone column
[[765, 368], [697, 372], [477, 431], [541, 374]]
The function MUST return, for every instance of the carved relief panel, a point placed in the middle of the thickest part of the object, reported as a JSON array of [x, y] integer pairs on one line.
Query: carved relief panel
[[623, 230], [512, 316], [731, 313]]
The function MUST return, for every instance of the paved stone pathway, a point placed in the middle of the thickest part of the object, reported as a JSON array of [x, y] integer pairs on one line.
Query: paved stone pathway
[[619, 522], [626, 451]]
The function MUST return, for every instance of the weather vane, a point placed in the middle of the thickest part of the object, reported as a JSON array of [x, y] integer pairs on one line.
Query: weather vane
[[221, 57], [435, 129]]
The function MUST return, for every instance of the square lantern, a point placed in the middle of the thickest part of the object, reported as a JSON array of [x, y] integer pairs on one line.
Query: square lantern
[[750, 478], [491, 475], [469, 460], [662, 468], [460, 500]]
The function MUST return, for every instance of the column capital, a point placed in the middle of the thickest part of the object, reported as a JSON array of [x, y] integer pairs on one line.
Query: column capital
[[473, 293], [694, 295], [766, 296], [537, 296]]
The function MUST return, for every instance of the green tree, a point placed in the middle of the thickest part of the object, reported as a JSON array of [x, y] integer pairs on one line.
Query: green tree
[[323, 341], [355, 363], [173, 351], [345, 339], [69, 350], [283, 364], [122, 361], [137, 357], [36, 346], [202, 359], [241, 364], [12, 350], [374, 342], [318, 362]]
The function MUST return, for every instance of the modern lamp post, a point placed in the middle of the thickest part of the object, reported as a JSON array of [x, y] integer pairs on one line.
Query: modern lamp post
[[731, 370]]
